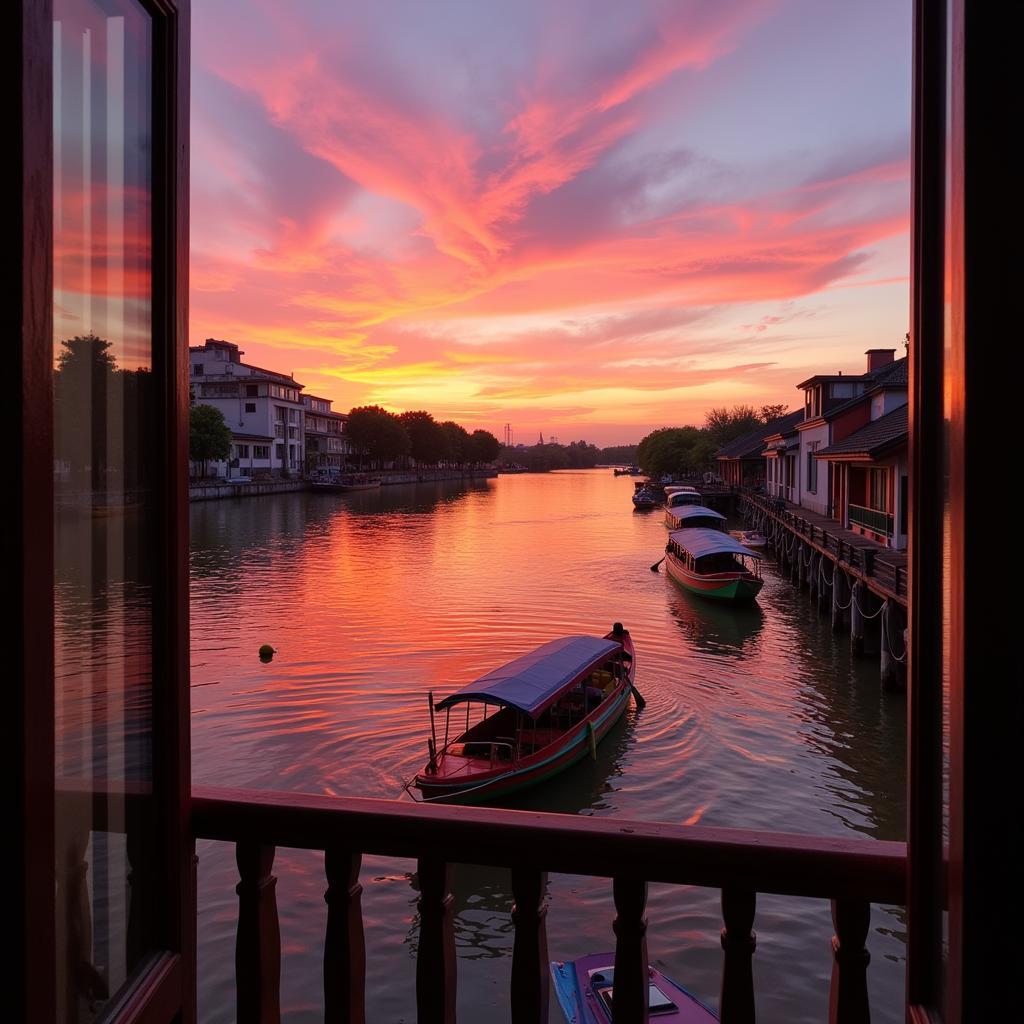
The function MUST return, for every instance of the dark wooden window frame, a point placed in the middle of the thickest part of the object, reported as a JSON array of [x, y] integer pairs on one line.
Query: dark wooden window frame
[[976, 874], [163, 989]]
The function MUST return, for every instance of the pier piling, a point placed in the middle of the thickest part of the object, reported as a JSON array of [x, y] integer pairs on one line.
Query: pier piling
[[840, 599]]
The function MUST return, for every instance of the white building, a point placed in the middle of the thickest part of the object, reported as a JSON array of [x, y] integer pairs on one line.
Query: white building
[[327, 444], [834, 407], [262, 408]]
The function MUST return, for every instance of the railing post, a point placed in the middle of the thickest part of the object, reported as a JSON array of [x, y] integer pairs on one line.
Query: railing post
[[530, 977], [344, 944], [258, 944], [629, 998], [435, 957], [869, 562], [736, 1005], [848, 996]]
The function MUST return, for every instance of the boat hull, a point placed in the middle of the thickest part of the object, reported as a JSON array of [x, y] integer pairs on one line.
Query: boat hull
[[727, 587], [575, 744], [581, 987]]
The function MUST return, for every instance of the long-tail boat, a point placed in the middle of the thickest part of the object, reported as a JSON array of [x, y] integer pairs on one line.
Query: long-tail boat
[[712, 564], [584, 989], [686, 517], [529, 719]]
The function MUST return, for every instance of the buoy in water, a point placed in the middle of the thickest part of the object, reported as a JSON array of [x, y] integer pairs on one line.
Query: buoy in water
[[267, 653]]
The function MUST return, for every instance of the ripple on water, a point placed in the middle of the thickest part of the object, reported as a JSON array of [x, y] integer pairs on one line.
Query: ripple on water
[[756, 718]]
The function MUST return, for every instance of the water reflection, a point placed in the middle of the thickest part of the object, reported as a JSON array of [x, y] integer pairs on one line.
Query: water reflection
[[712, 628], [756, 717]]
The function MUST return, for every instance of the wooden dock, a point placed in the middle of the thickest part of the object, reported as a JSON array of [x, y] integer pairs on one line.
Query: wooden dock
[[862, 584]]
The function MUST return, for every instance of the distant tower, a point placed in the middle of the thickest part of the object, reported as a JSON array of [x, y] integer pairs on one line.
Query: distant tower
[[541, 441]]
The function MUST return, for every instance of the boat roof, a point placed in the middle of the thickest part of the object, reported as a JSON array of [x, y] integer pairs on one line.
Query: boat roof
[[682, 512], [672, 488], [700, 542], [537, 679]]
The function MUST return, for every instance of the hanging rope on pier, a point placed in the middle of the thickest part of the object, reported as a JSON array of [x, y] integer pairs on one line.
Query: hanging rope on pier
[[873, 615], [901, 658], [843, 607]]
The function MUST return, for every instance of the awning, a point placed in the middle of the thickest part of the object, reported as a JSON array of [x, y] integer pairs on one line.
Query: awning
[[700, 542], [537, 679], [684, 512]]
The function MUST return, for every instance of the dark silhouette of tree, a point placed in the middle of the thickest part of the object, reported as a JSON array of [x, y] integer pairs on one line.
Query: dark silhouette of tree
[[428, 440], [725, 425], [209, 437], [103, 416], [377, 434], [458, 450], [483, 446], [773, 412]]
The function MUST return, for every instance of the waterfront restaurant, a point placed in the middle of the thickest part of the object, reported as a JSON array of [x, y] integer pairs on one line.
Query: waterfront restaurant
[[131, 796]]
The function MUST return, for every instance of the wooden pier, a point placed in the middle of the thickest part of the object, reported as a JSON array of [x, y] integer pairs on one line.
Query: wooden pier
[[861, 583]]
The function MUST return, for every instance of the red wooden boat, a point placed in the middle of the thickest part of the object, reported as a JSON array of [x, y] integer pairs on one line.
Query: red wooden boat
[[529, 719]]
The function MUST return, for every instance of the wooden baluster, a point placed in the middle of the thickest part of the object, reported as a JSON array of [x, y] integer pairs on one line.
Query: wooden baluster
[[435, 959], [738, 941], [629, 999], [848, 997], [344, 943], [258, 944], [530, 969]]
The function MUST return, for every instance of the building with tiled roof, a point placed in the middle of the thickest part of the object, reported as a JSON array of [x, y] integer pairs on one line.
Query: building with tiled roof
[[869, 474], [836, 406], [741, 461]]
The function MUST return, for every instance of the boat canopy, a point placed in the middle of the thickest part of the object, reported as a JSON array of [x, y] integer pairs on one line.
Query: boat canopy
[[700, 542], [537, 679], [684, 512]]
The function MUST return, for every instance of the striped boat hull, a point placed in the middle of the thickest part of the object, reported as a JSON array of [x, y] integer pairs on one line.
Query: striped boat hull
[[728, 587]]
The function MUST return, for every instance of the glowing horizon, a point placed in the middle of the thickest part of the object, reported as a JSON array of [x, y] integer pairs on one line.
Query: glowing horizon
[[588, 220]]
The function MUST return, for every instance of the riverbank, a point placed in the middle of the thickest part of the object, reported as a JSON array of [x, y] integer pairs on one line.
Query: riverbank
[[255, 488]]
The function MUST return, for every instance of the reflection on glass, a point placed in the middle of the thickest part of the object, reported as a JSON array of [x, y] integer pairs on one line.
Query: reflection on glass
[[102, 443]]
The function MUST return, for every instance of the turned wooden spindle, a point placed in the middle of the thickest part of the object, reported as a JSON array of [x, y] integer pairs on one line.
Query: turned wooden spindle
[[629, 998], [848, 995], [530, 969], [258, 944], [344, 944], [435, 958], [736, 1005]]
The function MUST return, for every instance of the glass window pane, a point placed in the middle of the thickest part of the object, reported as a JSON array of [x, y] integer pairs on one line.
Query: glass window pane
[[103, 430]]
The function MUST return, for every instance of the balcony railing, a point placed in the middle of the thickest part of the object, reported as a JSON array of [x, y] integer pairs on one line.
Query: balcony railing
[[871, 519], [852, 873]]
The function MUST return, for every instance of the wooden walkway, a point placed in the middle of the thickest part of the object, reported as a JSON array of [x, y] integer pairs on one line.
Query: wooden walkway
[[882, 570]]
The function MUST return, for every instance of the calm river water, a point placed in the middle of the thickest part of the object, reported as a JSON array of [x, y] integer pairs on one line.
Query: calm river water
[[756, 718]]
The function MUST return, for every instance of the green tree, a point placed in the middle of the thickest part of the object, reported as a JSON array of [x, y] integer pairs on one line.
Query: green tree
[[208, 435], [676, 450], [377, 434]]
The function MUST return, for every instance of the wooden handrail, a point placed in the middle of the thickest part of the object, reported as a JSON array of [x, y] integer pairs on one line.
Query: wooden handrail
[[717, 858]]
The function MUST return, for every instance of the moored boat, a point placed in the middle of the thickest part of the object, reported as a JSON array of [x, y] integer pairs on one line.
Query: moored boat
[[712, 564], [685, 517], [749, 538], [529, 719], [682, 496], [584, 989], [344, 482]]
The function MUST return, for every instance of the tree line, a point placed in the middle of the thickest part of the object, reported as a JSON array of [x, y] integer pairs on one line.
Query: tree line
[[686, 451], [378, 437]]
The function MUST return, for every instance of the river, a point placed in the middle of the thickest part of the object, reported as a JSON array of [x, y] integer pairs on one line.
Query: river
[[755, 718]]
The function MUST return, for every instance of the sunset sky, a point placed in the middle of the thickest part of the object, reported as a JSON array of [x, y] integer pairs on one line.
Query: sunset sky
[[583, 217]]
